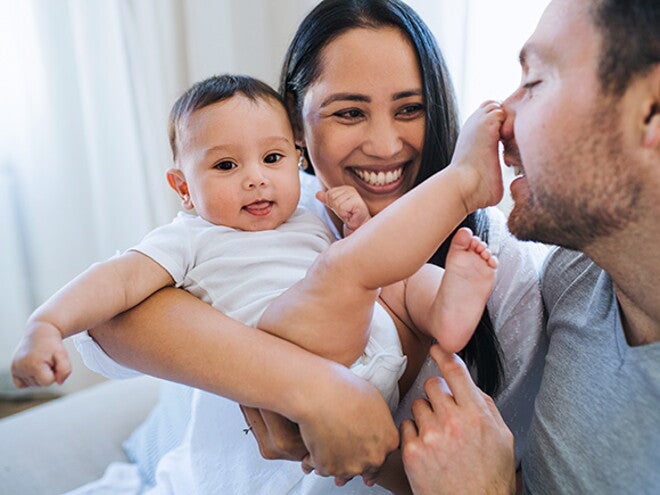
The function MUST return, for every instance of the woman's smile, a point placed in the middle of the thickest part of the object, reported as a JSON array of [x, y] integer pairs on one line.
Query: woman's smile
[[382, 179]]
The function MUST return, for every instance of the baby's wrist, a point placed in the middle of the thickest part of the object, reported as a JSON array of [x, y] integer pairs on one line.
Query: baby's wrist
[[36, 326]]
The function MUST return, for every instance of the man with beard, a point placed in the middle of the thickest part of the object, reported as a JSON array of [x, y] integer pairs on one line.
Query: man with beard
[[584, 130]]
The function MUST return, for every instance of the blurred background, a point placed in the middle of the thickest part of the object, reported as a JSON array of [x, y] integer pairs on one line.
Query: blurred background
[[85, 91]]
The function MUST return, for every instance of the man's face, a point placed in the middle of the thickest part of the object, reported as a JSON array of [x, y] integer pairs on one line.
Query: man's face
[[567, 136]]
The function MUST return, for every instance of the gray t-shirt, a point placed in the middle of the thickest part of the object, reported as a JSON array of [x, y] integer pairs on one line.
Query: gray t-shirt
[[596, 425]]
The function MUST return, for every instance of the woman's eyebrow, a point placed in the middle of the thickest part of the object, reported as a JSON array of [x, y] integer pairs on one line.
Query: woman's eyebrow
[[407, 94], [345, 97], [366, 99]]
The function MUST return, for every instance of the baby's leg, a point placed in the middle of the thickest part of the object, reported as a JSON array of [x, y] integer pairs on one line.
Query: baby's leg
[[326, 312], [466, 285], [329, 310]]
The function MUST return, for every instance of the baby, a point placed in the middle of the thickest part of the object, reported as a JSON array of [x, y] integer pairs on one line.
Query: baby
[[254, 255]]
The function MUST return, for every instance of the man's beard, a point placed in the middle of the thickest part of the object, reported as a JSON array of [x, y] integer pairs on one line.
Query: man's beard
[[596, 196]]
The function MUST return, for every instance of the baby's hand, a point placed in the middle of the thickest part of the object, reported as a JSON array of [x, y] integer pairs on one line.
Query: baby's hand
[[347, 204], [477, 148], [40, 358]]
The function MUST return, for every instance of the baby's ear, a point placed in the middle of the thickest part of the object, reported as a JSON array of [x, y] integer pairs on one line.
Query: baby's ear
[[177, 181]]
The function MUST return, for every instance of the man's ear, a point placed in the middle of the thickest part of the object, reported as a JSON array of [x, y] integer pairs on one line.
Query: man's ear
[[177, 181], [652, 111]]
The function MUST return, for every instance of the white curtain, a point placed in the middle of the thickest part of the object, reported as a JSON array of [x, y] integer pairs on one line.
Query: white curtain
[[85, 91], [86, 88], [480, 40]]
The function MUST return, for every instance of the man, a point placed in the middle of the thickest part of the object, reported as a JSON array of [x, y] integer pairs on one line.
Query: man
[[585, 128]]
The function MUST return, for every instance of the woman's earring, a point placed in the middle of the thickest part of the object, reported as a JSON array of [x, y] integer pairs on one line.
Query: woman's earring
[[302, 161]]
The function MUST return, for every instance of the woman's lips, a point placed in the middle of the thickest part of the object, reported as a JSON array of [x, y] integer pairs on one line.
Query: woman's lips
[[379, 180]]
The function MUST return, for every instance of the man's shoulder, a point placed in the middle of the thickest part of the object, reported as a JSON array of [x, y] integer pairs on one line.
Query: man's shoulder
[[565, 269]]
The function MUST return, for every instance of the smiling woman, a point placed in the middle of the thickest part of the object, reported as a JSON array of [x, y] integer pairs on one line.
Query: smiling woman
[[389, 107]]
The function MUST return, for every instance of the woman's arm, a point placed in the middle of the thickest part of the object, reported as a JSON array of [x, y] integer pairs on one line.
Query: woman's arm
[[175, 336]]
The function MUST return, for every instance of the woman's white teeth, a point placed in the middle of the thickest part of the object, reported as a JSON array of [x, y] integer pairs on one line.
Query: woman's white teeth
[[379, 178]]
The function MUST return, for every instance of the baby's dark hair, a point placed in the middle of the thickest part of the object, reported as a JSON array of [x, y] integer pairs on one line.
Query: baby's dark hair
[[212, 90]]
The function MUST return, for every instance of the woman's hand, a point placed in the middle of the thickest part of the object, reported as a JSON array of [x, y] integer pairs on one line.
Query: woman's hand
[[277, 437], [458, 442], [347, 429]]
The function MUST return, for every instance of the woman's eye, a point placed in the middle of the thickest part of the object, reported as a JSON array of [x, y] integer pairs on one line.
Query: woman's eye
[[412, 111], [350, 114], [225, 165], [273, 157]]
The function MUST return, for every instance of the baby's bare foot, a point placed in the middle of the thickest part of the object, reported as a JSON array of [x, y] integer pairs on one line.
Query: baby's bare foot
[[466, 286]]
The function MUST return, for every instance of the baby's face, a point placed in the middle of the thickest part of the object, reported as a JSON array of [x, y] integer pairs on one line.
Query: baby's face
[[240, 162]]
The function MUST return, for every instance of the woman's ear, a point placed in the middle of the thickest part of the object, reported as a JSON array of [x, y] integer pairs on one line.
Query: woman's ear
[[177, 181], [651, 112], [652, 125]]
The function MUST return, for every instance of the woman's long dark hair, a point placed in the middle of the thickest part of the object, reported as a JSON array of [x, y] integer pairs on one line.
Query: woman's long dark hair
[[301, 68]]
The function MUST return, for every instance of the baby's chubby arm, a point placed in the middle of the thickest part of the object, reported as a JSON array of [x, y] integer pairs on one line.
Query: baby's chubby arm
[[99, 293]]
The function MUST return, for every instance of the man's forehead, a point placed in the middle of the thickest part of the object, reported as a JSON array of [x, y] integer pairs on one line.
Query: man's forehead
[[564, 25]]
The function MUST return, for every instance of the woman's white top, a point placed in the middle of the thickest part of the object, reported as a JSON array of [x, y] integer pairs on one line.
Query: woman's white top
[[220, 458]]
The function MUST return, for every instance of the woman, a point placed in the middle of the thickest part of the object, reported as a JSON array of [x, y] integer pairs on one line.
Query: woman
[[368, 93]]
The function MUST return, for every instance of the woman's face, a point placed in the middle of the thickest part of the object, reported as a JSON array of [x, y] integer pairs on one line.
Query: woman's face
[[364, 117]]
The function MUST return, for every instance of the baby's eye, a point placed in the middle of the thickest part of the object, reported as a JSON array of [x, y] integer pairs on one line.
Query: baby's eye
[[227, 165], [273, 157]]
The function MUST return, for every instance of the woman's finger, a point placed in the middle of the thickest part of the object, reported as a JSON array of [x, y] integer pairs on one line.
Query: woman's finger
[[306, 464], [284, 436], [256, 425]]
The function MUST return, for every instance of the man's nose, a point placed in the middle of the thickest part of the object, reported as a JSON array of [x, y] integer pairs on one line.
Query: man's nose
[[509, 106]]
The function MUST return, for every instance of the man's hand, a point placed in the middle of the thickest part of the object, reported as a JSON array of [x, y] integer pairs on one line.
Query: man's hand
[[458, 442]]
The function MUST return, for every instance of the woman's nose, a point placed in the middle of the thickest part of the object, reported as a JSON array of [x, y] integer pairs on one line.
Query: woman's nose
[[383, 139]]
